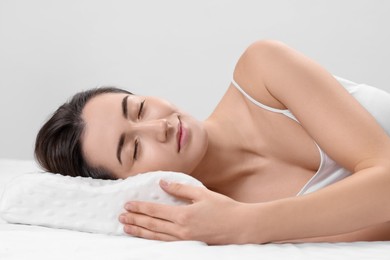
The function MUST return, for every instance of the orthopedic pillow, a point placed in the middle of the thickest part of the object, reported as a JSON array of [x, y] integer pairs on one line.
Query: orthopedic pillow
[[82, 204]]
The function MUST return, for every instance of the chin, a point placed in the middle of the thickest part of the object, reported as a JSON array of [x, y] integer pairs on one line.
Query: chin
[[197, 158]]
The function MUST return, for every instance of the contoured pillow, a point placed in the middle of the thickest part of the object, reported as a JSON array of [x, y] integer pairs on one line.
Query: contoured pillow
[[82, 204]]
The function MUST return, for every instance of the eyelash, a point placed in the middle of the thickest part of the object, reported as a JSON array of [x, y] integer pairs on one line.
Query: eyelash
[[141, 109], [136, 143], [135, 149]]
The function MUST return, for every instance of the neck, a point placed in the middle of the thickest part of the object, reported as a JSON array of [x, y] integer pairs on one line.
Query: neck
[[221, 156]]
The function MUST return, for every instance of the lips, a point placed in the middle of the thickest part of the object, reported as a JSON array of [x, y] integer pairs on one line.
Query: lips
[[182, 135]]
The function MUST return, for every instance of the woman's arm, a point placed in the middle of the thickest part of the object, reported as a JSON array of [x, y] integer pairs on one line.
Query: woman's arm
[[341, 127], [335, 120]]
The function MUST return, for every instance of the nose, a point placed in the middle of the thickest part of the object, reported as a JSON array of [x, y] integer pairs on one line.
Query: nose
[[157, 128]]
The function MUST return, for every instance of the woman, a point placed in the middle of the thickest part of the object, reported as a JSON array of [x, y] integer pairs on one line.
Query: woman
[[284, 127]]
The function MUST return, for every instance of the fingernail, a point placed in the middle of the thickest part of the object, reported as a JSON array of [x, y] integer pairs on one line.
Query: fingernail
[[128, 229], [129, 206], [164, 184], [122, 219]]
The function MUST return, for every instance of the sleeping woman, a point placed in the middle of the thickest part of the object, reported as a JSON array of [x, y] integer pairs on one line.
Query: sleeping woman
[[290, 154]]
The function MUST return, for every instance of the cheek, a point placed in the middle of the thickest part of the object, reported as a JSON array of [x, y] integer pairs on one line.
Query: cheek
[[156, 158]]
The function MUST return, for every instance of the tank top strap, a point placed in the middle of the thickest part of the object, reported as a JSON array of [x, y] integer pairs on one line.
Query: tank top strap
[[285, 112], [328, 172]]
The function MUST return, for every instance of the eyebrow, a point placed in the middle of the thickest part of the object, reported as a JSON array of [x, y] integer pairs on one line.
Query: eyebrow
[[122, 138], [124, 106]]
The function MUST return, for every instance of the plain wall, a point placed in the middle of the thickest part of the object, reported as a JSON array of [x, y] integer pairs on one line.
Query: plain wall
[[184, 51]]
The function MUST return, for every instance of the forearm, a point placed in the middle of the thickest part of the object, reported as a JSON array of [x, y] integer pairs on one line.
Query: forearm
[[356, 202]]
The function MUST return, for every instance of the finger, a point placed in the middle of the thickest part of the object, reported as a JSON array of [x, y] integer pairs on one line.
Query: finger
[[149, 223], [184, 191], [148, 234], [161, 211]]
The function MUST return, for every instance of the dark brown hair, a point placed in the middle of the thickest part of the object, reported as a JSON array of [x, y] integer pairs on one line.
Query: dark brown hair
[[58, 145]]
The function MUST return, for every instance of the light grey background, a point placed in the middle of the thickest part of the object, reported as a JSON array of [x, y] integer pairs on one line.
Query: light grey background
[[184, 51]]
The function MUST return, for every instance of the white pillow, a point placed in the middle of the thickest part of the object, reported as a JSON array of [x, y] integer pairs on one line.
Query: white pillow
[[82, 204]]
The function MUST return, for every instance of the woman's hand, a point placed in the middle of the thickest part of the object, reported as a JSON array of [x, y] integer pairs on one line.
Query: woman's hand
[[212, 218]]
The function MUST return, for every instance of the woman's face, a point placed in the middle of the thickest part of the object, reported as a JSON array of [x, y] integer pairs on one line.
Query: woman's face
[[130, 134]]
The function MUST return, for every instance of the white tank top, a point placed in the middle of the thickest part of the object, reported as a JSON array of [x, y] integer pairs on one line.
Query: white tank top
[[376, 101]]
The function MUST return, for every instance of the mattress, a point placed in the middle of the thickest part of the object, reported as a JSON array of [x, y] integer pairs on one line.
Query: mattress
[[36, 242]]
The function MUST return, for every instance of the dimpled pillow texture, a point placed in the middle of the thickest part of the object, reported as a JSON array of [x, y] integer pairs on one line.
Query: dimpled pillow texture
[[82, 204]]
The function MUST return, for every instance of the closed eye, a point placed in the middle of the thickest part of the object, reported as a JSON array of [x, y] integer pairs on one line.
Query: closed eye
[[140, 109], [135, 155]]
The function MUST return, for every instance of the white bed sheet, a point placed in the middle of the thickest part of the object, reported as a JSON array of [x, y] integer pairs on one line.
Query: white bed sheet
[[34, 242]]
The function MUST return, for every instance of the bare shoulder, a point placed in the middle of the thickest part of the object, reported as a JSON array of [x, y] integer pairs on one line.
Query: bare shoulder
[[249, 74], [281, 77]]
